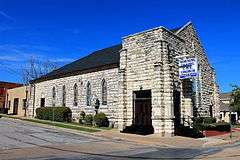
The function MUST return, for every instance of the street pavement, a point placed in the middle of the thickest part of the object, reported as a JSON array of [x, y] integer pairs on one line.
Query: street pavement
[[20, 140]]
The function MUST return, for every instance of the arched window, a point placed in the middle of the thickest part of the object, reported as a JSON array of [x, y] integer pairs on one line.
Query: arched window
[[104, 92], [64, 96], [53, 96], [75, 95], [88, 94]]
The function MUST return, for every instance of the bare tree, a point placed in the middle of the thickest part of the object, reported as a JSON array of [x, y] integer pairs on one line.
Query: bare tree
[[35, 68]]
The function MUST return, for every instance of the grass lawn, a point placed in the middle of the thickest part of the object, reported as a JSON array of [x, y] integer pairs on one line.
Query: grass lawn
[[237, 126], [75, 126]]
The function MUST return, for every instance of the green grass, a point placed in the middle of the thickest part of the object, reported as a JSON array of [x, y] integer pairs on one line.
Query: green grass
[[74, 126], [83, 125], [237, 126]]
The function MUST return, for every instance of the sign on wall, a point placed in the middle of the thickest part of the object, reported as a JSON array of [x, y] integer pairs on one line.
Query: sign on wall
[[188, 68]]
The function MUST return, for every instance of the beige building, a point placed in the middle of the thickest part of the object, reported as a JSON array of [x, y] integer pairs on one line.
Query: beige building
[[225, 114], [137, 83], [17, 101]]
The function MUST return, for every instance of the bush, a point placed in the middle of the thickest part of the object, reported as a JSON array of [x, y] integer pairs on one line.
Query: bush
[[209, 123], [4, 110], [88, 119], [188, 132], [82, 117], [101, 120], [220, 126], [206, 120], [197, 120], [60, 114], [0, 116], [209, 120]]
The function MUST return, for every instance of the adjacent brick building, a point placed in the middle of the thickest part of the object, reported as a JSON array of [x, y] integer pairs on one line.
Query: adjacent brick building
[[17, 101], [3, 91], [137, 82]]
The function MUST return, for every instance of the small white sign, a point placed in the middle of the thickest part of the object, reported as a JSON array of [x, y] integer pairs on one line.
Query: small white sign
[[188, 68]]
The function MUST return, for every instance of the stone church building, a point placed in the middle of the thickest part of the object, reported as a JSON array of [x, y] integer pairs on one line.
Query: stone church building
[[137, 82]]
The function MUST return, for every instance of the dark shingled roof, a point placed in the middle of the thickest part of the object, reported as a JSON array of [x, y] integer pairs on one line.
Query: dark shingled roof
[[100, 58]]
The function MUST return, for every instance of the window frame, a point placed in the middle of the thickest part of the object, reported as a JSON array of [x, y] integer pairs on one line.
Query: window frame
[[54, 96], [75, 94], [88, 94], [104, 92], [64, 96]]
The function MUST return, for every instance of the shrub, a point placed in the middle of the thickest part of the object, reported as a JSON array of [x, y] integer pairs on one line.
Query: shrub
[[82, 117], [220, 126], [209, 120], [207, 123], [0, 116], [197, 120], [88, 119], [101, 120], [4, 110], [189, 132], [206, 120], [60, 114], [82, 114]]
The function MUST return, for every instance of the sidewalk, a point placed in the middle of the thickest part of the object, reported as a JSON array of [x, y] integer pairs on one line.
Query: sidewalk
[[152, 139], [176, 141], [223, 139]]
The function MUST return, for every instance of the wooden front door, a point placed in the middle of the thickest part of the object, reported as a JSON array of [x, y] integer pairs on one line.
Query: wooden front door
[[177, 109], [15, 106], [142, 117]]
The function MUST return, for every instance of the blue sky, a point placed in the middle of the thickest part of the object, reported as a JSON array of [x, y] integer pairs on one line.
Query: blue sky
[[65, 30]]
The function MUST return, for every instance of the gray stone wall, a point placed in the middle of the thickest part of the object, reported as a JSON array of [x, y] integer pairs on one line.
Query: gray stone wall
[[206, 80], [44, 90], [148, 63]]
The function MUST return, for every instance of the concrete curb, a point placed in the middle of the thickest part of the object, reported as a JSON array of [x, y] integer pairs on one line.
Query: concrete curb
[[224, 142]]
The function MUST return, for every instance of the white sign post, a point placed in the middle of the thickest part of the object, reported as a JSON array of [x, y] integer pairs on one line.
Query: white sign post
[[188, 67]]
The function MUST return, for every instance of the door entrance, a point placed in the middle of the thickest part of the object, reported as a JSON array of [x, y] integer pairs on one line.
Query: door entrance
[[15, 106], [142, 111], [177, 110]]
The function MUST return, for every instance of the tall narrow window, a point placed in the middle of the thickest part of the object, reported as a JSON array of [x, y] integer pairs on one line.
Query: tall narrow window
[[24, 104], [53, 96], [88, 94], [104, 92], [75, 99], [42, 102], [64, 96]]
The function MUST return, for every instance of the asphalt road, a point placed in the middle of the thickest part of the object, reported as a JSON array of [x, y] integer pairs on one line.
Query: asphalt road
[[24, 140]]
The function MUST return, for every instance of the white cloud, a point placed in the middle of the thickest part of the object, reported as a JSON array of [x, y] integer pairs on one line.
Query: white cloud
[[9, 58], [61, 60], [21, 53], [3, 14]]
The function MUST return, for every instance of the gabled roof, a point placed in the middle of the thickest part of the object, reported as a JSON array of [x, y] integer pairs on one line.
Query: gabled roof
[[101, 58], [4, 84]]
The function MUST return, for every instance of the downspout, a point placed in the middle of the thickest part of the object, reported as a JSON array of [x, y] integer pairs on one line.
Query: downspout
[[34, 92], [6, 98], [26, 101]]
